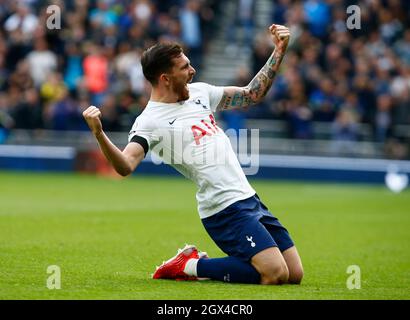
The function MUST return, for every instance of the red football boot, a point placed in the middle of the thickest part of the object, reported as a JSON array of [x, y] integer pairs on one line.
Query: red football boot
[[174, 267]]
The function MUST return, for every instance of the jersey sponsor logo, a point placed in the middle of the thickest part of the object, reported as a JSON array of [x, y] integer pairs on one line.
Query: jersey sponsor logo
[[200, 132]]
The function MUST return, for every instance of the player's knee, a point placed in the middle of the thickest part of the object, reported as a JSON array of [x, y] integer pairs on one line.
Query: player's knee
[[296, 276], [278, 274]]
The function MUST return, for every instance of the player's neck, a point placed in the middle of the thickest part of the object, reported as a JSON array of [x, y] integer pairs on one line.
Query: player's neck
[[163, 96]]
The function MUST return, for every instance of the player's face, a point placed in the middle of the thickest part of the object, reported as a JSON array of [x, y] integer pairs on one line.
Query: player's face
[[182, 74]]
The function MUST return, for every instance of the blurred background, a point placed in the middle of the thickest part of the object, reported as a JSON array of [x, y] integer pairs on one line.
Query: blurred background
[[338, 113], [339, 110]]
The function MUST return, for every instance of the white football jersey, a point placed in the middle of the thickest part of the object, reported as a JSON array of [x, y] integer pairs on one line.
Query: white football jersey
[[185, 135]]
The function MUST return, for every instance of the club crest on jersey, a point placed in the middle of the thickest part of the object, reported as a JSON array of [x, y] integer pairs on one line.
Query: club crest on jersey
[[198, 102], [250, 239]]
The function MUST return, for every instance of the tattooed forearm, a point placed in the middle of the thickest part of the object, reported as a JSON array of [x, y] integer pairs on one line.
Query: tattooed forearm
[[257, 89], [237, 99], [260, 85]]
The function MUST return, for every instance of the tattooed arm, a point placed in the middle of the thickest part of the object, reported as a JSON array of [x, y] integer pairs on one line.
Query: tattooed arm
[[256, 90]]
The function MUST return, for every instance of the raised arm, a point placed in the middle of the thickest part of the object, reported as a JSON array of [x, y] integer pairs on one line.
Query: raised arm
[[256, 90], [124, 162]]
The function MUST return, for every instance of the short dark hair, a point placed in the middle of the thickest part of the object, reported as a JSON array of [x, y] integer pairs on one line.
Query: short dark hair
[[158, 59]]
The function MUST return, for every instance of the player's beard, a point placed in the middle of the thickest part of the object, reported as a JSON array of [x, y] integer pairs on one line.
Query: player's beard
[[181, 89]]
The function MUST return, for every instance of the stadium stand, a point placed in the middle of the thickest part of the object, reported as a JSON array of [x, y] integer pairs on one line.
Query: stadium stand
[[341, 92]]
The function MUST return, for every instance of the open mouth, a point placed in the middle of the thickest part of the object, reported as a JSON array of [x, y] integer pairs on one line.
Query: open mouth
[[186, 84]]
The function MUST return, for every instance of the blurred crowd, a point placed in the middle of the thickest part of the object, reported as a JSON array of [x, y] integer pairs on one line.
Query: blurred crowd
[[51, 69], [338, 75], [332, 73]]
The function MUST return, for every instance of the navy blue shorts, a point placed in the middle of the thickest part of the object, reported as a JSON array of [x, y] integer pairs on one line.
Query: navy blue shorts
[[245, 228]]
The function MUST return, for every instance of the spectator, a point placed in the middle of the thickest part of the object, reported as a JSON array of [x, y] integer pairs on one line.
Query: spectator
[[280, 10], [345, 131], [53, 88], [73, 69], [6, 121], [137, 79], [352, 105], [261, 51], [244, 24], [27, 114], [110, 112], [103, 16], [246, 17], [383, 118], [390, 28], [366, 96], [143, 11], [22, 23], [64, 114], [402, 48], [299, 118], [21, 79], [400, 90], [4, 72], [128, 68], [317, 13], [96, 73], [41, 62], [191, 30], [324, 101]]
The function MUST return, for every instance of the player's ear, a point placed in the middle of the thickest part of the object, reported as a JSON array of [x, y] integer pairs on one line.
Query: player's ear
[[164, 78]]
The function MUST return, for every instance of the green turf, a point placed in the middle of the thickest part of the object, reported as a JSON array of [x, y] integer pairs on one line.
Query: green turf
[[107, 235]]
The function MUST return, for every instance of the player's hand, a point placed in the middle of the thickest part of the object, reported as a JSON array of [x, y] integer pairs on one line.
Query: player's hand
[[280, 36], [92, 115]]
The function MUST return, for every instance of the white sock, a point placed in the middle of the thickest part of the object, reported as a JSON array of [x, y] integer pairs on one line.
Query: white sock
[[190, 267]]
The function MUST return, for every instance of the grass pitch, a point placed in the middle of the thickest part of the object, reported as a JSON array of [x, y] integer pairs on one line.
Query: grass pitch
[[107, 236]]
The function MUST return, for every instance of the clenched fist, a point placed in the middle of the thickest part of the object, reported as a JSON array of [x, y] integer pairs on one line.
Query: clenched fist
[[280, 35], [92, 115]]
